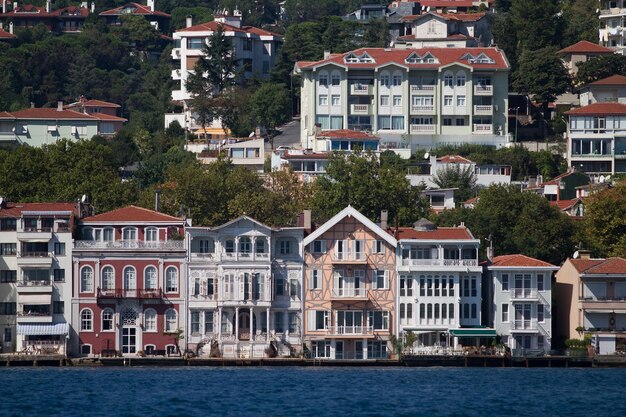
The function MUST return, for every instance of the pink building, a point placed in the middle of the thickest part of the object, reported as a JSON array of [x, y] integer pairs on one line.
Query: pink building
[[129, 283]]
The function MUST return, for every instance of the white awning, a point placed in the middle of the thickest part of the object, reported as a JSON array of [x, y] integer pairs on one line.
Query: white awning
[[42, 329], [35, 299]]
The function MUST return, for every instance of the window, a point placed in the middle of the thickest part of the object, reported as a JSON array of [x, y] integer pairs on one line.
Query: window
[[323, 100], [409, 311], [460, 101], [320, 320], [108, 234], [171, 320], [335, 79], [319, 246], [505, 282], [8, 248], [8, 309], [384, 80], [208, 322], [323, 80], [397, 101], [335, 100], [320, 348], [384, 100], [247, 44], [108, 278], [58, 307], [474, 312], [195, 322], [505, 313], [397, 80], [460, 121], [245, 245], [130, 278], [293, 322], [194, 43], [540, 313], [229, 246], [294, 291], [540, 284], [9, 276], [86, 320], [85, 349], [378, 320], [150, 278], [448, 80], [171, 279], [107, 320], [316, 279], [279, 285], [59, 275], [152, 234], [8, 224], [540, 342], [59, 248], [150, 320], [86, 279], [379, 247], [278, 322], [381, 280], [129, 233], [447, 121], [460, 80], [284, 247], [447, 100], [7, 335]]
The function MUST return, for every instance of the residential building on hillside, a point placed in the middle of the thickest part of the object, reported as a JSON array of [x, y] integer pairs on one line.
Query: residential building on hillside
[[416, 99], [349, 288], [305, 164], [129, 283], [440, 199], [580, 52], [245, 290], [612, 14], [607, 90], [445, 30], [591, 294], [36, 276], [93, 107], [439, 286], [562, 187], [486, 175], [444, 6], [158, 19], [246, 152], [65, 20], [44, 126], [6, 36], [518, 301]]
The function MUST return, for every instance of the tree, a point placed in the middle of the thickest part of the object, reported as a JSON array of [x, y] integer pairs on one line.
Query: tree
[[536, 23], [359, 180], [269, 106], [604, 223], [581, 21], [453, 176], [601, 67]]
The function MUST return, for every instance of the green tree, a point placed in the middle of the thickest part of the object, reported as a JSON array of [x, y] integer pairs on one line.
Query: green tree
[[270, 106], [604, 223], [536, 23], [581, 21], [601, 67], [198, 15], [454, 176]]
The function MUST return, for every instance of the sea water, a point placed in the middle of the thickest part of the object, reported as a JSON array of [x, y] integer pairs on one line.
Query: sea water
[[303, 391]]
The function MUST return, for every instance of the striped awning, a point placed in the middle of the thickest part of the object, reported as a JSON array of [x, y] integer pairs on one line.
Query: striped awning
[[42, 329]]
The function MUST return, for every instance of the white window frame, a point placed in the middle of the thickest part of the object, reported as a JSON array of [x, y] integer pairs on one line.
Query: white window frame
[[154, 279], [150, 321], [86, 323], [171, 320], [86, 279], [168, 287], [112, 319]]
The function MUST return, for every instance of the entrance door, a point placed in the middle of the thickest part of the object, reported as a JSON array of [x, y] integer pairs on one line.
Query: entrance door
[[244, 326], [129, 339], [358, 349], [339, 349]]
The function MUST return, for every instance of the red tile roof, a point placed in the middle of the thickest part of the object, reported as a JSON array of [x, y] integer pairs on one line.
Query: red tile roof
[[71, 12], [445, 56], [132, 214], [448, 3], [565, 204], [600, 266], [50, 114], [612, 80], [459, 17], [519, 260], [92, 103], [6, 35], [213, 25], [6, 115], [586, 47], [453, 159], [140, 9], [346, 134], [599, 109], [440, 233], [108, 117], [16, 209], [28, 10]]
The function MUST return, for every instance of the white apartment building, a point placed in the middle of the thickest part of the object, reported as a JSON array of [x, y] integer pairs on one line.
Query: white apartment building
[[520, 290], [412, 98], [485, 174], [35, 276], [439, 286], [612, 24], [245, 289], [445, 30]]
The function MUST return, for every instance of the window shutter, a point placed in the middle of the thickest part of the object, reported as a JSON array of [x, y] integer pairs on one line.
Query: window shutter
[[387, 279], [310, 325]]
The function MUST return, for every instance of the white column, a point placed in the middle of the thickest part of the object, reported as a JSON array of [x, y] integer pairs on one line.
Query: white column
[[251, 332], [237, 324], [267, 316], [237, 248], [219, 323], [364, 348], [253, 248], [96, 275]]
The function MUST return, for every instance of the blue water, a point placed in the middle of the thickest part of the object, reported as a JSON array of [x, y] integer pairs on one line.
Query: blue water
[[311, 392]]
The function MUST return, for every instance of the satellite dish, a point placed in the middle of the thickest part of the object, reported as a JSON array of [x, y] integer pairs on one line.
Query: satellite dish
[[1, 200], [426, 155], [84, 198], [576, 255], [602, 179]]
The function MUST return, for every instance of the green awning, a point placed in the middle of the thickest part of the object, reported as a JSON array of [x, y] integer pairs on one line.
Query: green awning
[[473, 332]]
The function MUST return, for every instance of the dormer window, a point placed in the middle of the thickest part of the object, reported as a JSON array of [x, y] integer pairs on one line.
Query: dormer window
[[129, 233], [414, 58], [152, 234], [480, 59], [353, 58]]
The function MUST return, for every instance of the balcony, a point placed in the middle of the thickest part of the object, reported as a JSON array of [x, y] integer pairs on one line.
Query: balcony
[[349, 293], [34, 286], [524, 294], [349, 258], [117, 293], [423, 129], [176, 74], [30, 233], [483, 110], [164, 245], [35, 259], [481, 129], [420, 88], [361, 90], [347, 331], [524, 326], [439, 262], [246, 256], [603, 304], [360, 109], [483, 90], [33, 317], [423, 109], [607, 156]]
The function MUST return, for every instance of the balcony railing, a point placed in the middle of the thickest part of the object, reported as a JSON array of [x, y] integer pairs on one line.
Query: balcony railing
[[427, 109], [349, 257], [422, 129], [34, 313], [524, 325], [130, 244], [483, 129], [349, 293], [359, 109], [603, 299], [36, 229], [483, 90], [419, 88], [137, 293], [484, 110], [348, 330], [440, 262], [523, 293], [360, 89], [34, 254], [34, 283], [245, 256]]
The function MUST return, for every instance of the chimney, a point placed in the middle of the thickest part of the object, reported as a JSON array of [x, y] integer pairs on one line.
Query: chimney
[[59, 105], [189, 21], [32, 105], [157, 192], [4, 6], [384, 217], [490, 252], [83, 5], [48, 6], [93, 7], [14, 5], [584, 254], [326, 54], [11, 28], [307, 220], [151, 5]]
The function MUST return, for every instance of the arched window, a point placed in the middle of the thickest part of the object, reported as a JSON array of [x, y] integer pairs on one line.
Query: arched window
[[151, 234], [245, 244], [150, 278], [322, 78], [87, 233], [86, 279], [150, 320], [129, 233], [460, 79], [86, 320], [171, 320], [171, 279], [335, 78], [108, 234], [108, 278], [448, 79], [107, 320], [130, 278]]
